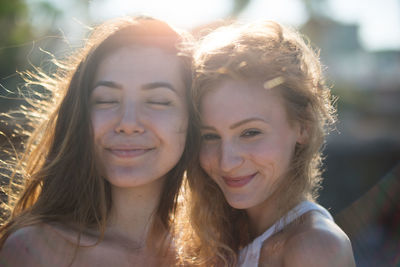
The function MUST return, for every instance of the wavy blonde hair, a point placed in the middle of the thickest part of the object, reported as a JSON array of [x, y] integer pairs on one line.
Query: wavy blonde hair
[[281, 59], [59, 178]]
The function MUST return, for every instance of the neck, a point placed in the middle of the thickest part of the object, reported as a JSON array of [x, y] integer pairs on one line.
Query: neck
[[133, 211], [262, 216]]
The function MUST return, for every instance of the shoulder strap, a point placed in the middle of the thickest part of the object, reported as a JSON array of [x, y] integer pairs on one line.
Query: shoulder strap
[[249, 255]]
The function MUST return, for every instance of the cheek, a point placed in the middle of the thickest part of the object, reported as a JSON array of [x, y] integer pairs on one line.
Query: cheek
[[174, 119], [203, 159], [98, 125], [263, 154], [260, 149], [208, 157], [179, 136], [274, 158], [181, 125], [171, 127], [102, 119], [208, 163]]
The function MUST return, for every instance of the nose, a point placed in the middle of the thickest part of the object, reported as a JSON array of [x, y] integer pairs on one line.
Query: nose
[[129, 122], [230, 157]]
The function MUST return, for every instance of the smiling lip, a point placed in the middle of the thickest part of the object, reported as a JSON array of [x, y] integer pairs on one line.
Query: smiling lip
[[128, 152], [239, 181]]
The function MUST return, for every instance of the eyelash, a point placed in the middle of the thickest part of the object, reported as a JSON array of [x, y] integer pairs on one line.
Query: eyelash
[[250, 133], [246, 134], [106, 102], [210, 137], [162, 103]]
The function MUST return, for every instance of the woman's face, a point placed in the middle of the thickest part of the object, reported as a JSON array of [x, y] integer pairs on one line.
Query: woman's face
[[139, 115], [247, 141]]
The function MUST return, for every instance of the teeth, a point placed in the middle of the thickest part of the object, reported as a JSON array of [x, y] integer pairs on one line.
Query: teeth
[[129, 152]]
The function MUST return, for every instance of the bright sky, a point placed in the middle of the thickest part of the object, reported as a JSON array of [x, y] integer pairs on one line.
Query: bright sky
[[379, 20]]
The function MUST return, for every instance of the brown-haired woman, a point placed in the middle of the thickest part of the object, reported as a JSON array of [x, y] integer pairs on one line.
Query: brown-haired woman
[[103, 171], [264, 111]]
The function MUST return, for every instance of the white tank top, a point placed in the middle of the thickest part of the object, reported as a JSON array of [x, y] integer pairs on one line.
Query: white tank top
[[250, 255]]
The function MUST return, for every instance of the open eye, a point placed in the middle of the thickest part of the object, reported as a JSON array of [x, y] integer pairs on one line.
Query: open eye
[[250, 133], [210, 137]]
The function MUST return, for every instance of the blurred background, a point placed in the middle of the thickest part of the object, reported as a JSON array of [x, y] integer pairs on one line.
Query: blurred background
[[359, 42]]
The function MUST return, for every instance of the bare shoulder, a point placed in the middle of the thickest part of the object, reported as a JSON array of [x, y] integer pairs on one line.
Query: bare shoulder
[[21, 247], [36, 245], [317, 241]]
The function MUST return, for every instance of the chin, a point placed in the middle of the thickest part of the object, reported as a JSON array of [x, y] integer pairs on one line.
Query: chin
[[124, 180], [240, 205], [123, 183]]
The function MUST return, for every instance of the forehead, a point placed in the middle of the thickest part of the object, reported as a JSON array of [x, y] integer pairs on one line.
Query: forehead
[[135, 65], [229, 90], [233, 99]]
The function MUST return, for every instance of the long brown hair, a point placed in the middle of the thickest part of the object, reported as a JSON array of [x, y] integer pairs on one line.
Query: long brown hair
[[61, 178], [280, 59]]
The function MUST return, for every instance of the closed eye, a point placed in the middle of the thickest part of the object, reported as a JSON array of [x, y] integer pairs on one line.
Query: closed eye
[[250, 133], [105, 103], [161, 103]]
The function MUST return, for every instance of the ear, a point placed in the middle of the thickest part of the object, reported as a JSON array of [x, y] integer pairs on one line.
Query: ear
[[303, 133]]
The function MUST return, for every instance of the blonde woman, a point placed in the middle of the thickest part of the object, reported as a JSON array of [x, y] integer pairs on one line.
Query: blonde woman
[[263, 112]]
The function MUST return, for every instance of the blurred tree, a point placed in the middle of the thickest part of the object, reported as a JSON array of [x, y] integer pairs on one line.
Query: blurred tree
[[316, 8], [17, 45], [15, 32], [238, 7], [29, 26]]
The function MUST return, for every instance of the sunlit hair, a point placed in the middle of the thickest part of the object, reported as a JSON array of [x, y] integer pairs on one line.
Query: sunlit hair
[[60, 178], [277, 58]]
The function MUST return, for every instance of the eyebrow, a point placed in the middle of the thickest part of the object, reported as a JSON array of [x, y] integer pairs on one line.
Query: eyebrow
[[246, 121], [237, 124], [108, 84], [154, 85], [147, 86]]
